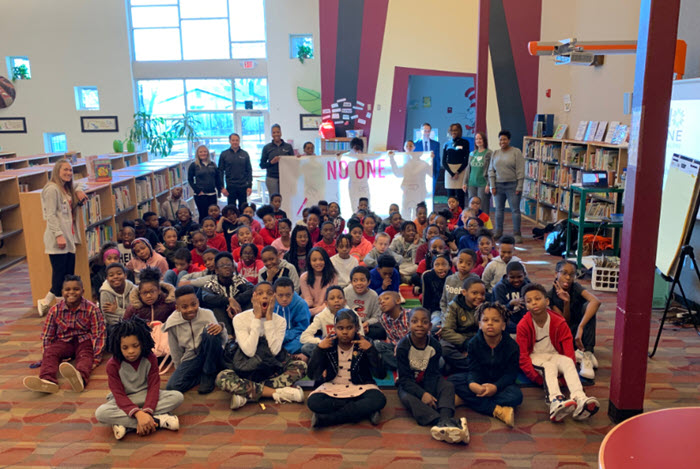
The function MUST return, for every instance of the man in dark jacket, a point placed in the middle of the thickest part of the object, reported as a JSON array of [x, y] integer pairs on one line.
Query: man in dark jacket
[[237, 172], [270, 158]]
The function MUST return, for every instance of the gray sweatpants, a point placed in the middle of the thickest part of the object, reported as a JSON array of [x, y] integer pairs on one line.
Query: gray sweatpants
[[110, 414]]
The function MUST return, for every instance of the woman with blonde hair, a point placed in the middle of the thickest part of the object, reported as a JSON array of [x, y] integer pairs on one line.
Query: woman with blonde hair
[[205, 179], [60, 198]]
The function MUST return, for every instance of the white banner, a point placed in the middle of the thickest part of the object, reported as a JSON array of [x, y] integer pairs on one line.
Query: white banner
[[385, 178]]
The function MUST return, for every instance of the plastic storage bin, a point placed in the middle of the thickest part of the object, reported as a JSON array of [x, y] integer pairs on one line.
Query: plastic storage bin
[[605, 278]]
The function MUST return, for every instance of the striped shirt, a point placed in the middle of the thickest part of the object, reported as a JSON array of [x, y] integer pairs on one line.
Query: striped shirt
[[396, 329], [84, 323]]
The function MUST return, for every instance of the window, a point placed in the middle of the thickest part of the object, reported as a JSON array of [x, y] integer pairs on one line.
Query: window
[[251, 93], [55, 142], [299, 40], [198, 29], [87, 98], [18, 62], [220, 107]]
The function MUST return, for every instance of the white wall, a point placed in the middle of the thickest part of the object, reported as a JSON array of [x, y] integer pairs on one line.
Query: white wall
[[284, 74], [69, 43], [596, 92]]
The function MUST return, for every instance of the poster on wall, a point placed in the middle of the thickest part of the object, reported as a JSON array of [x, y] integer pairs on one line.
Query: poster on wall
[[13, 125], [385, 178]]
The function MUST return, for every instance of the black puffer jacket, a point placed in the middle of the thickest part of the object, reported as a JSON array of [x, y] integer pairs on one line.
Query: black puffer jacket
[[205, 178]]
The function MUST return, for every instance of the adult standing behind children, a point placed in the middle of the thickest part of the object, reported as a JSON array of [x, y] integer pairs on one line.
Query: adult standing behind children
[[455, 158], [205, 179], [60, 198], [506, 177], [237, 172], [476, 176], [428, 144], [269, 160]]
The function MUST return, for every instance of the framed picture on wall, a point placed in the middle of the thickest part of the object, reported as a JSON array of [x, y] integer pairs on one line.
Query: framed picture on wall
[[13, 125], [99, 124], [309, 121]]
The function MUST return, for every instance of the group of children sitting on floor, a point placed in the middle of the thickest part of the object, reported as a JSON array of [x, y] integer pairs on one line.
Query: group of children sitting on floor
[[253, 307]]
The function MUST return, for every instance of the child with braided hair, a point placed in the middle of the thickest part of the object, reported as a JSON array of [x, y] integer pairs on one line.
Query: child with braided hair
[[136, 403]]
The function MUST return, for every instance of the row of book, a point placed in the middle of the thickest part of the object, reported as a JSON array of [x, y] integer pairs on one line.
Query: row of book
[[595, 131], [335, 145], [550, 174], [548, 194], [96, 237], [530, 188], [174, 176], [575, 155], [160, 182], [143, 190], [531, 169], [599, 209], [603, 159], [564, 201], [92, 210], [122, 198], [569, 176]]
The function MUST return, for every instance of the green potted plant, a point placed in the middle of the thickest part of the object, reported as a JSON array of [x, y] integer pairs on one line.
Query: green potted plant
[[20, 73], [304, 52], [156, 134]]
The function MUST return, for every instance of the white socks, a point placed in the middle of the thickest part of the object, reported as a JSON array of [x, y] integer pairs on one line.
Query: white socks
[[49, 298]]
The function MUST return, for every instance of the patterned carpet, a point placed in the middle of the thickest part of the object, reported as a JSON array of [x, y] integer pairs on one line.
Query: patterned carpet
[[60, 430]]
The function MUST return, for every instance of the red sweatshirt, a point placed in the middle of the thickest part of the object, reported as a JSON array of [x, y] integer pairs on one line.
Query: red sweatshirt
[[329, 248], [269, 236], [559, 334], [217, 242]]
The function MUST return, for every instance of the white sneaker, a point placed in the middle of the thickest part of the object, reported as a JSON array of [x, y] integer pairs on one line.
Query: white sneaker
[[237, 401], [119, 431], [34, 383], [169, 422], [42, 306], [288, 394], [594, 360], [560, 408], [448, 431], [465, 431], [579, 355], [586, 370], [586, 407], [69, 372]]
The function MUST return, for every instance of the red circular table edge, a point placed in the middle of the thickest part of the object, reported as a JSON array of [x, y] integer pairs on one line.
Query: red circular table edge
[[660, 437]]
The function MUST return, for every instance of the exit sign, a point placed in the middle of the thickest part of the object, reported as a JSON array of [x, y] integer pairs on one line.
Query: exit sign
[[248, 64]]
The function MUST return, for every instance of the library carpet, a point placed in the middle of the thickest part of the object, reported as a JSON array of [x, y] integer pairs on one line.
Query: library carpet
[[60, 429]]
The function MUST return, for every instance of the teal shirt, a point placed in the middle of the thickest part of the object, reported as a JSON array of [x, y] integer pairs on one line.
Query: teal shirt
[[476, 173]]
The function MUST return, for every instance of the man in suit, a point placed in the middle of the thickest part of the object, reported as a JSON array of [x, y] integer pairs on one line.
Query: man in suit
[[427, 144]]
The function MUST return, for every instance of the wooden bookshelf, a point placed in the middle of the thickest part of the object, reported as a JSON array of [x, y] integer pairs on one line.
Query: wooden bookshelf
[[98, 220], [12, 249], [552, 165]]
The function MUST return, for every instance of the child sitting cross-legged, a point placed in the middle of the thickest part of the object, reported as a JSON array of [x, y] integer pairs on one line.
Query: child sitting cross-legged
[[196, 342], [183, 266], [461, 324], [381, 247], [114, 293], [322, 324], [465, 260], [579, 308], [345, 363], [136, 403], [260, 366], [365, 302], [74, 328], [422, 390], [508, 293], [546, 350], [492, 360], [295, 312]]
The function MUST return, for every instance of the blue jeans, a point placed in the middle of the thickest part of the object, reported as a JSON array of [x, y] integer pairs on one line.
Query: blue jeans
[[386, 351], [510, 396], [506, 190], [172, 278], [480, 192], [208, 361]]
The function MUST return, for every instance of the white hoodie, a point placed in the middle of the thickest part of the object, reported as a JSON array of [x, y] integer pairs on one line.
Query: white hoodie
[[324, 322], [108, 295], [495, 270]]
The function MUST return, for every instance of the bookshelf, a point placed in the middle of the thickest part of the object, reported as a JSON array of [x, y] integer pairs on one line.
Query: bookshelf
[[12, 248], [98, 219], [9, 161], [553, 165], [331, 146]]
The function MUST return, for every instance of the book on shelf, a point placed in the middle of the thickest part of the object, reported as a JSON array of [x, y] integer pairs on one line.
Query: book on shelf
[[548, 152], [581, 131], [561, 131], [24, 187], [575, 155], [550, 174], [103, 169], [92, 210], [597, 210], [604, 159], [143, 190], [160, 182], [620, 135], [611, 131], [96, 237], [531, 169], [90, 166], [564, 200], [529, 188], [122, 198], [600, 132], [548, 194], [590, 131]]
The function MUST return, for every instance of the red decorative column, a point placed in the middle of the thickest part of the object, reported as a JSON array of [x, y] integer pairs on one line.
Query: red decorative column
[[656, 43], [482, 64]]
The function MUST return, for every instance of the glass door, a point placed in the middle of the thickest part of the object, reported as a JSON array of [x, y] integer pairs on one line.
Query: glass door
[[252, 127]]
